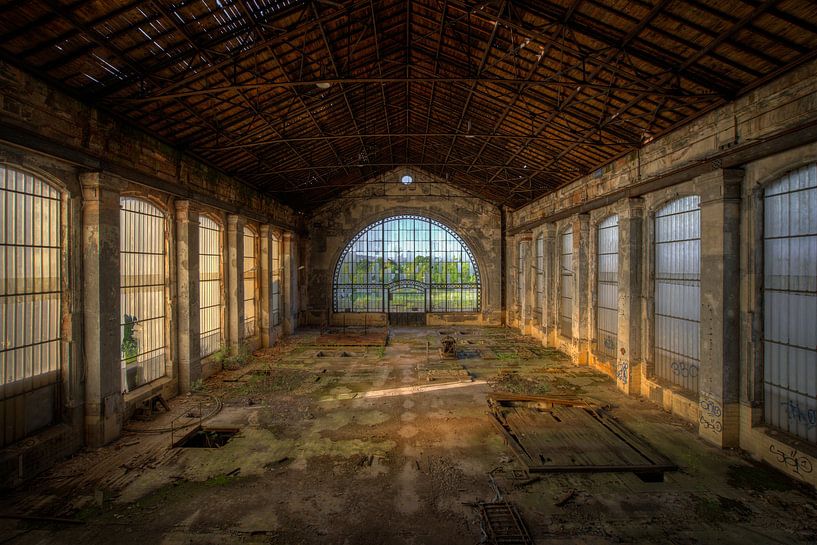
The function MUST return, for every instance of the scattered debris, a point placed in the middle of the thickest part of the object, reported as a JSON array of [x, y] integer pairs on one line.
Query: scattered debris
[[564, 498]]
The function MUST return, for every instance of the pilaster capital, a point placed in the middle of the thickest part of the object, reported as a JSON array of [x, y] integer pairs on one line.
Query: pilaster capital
[[720, 185], [235, 222], [186, 211], [95, 182], [630, 207]]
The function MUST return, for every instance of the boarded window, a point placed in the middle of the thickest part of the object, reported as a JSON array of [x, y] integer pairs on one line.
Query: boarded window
[[276, 281], [250, 281], [540, 275], [678, 292], [790, 303], [210, 286], [30, 300], [566, 284], [143, 262], [607, 288]]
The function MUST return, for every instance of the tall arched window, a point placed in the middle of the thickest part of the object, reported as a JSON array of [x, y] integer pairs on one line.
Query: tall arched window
[[210, 283], [607, 288], [276, 281], [522, 257], [250, 281], [790, 303], [678, 292], [30, 301], [540, 275], [406, 264], [143, 262], [566, 284]]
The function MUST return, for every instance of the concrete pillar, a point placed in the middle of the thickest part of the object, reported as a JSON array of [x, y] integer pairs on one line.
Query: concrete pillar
[[104, 405], [581, 274], [235, 274], [719, 375], [268, 239], [188, 303], [630, 234], [289, 286]]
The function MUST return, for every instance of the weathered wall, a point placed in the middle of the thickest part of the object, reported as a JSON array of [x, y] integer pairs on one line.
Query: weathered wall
[[332, 227], [726, 157]]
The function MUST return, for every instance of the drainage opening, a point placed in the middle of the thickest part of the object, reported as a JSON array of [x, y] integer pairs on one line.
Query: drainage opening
[[651, 476], [206, 438]]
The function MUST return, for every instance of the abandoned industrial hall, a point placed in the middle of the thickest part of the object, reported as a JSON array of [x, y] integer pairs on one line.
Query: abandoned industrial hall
[[421, 272]]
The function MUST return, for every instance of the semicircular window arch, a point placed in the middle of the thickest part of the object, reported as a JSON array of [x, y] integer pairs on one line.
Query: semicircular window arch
[[424, 262]]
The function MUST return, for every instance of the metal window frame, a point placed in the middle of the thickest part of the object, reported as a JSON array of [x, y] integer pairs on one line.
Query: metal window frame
[[540, 275], [601, 349], [275, 291], [377, 282], [250, 325], [151, 369], [205, 335], [566, 275]]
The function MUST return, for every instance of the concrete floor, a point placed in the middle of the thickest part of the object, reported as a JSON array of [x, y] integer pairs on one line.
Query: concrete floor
[[382, 445]]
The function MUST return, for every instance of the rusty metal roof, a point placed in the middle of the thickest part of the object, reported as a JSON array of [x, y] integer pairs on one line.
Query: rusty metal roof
[[507, 99]]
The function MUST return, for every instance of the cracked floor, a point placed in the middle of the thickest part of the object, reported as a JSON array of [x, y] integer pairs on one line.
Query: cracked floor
[[371, 444]]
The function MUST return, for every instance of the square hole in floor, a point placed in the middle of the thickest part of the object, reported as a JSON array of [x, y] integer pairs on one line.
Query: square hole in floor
[[206, 438]]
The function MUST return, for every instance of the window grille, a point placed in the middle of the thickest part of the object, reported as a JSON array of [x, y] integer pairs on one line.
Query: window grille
[[143, 262], [790, 303], [607, 288], [520, 273], [30, 291], [403, 252], [540, 275], [566, 296], [250, 279], [678, 292], [210, 286], [276, 281]]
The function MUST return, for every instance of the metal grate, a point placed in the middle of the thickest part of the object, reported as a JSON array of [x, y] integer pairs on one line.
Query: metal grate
[[566, 285], [30, 294], [250, 281], [790, 303], [276, 281], [143, 260], [607, 288], [678, 292], [540, 275], [407, 249], [210, 335]]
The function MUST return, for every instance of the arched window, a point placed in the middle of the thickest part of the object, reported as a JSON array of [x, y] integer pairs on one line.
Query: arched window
[[143, 262], [30, 301], [566, 284], [678, 292], [276, 280], [250, 281], [790, 303], [406, 264], [210, 282], [522, 256], [607, 288], [540, 275]]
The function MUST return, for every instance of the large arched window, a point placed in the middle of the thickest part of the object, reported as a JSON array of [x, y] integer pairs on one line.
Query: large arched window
[[210, 286], [406, 264], [31, 333], [143, 262]]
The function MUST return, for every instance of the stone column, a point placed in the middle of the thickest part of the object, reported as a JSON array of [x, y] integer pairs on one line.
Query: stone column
[[629, 357], [719, 375], [268, 238], [581, 272], [235, 277], [188, 302], [104, 404], [549, 318], [289, 272]]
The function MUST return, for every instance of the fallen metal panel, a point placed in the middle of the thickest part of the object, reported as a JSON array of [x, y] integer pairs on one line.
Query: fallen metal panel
[[503, 524], [551, 435]]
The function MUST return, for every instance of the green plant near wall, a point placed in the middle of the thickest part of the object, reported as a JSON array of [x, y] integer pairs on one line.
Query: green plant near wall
[[130, 344]]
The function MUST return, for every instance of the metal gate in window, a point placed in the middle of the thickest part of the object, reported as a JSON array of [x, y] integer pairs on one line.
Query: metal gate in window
[[607, 288], [566, 284], [678, 292], [790, 303], [142, 275], [30, 303], [408, 303], [209, 286]]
